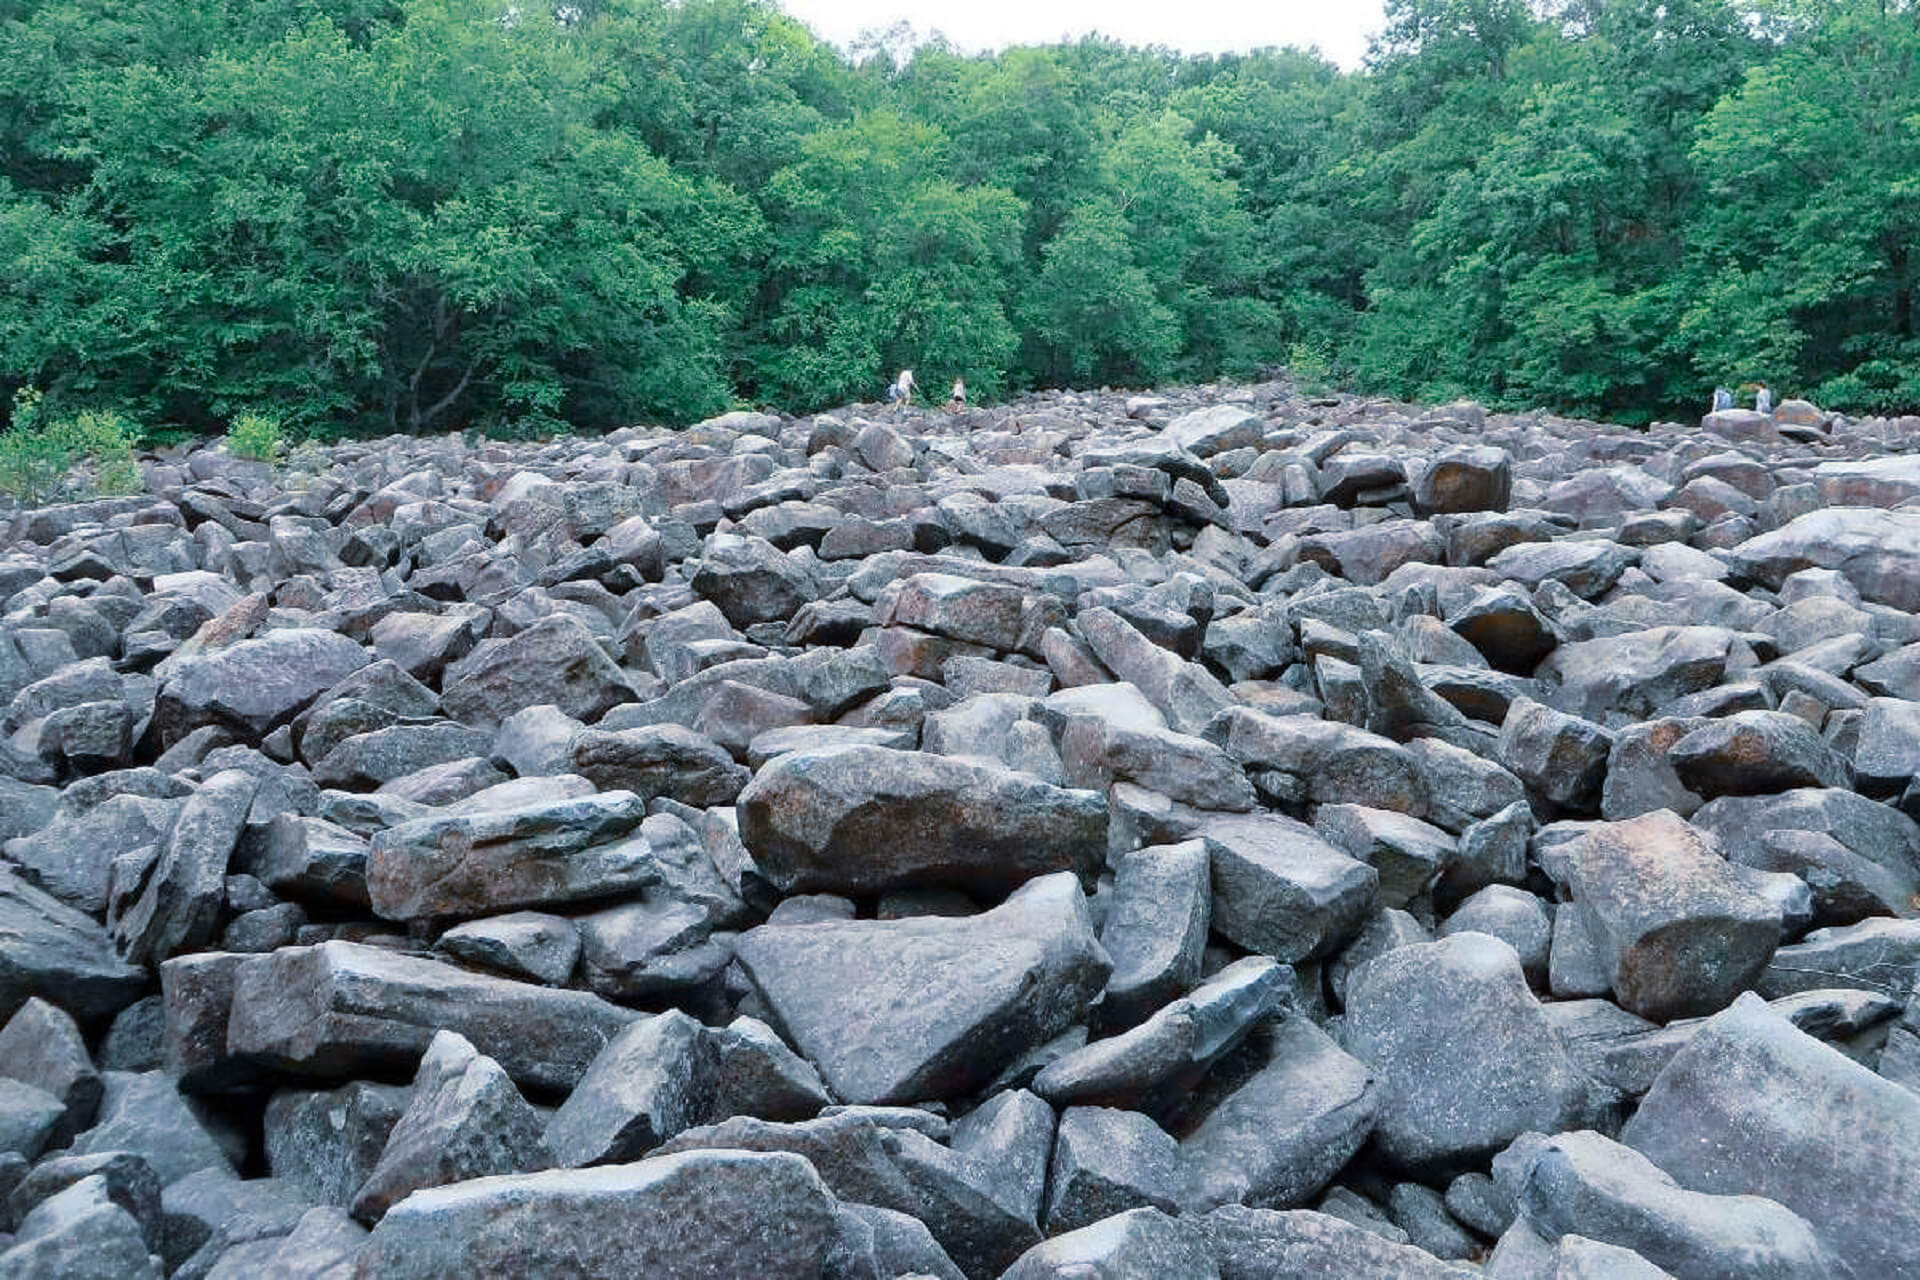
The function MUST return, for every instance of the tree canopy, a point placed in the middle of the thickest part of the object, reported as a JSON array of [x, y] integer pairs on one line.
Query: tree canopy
[[375, 215]]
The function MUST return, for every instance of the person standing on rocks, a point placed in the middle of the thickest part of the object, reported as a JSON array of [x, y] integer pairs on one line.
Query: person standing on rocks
[[901, 392], [1722, 399], [957, 398], [1763, 399]]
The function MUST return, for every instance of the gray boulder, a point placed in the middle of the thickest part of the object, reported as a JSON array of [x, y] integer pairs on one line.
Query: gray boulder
[[1466, 1057], [1753, 1107], [464, 1120], [345, 1009], [900, 1010], [691, 1216], [867, 819], [474, 864]]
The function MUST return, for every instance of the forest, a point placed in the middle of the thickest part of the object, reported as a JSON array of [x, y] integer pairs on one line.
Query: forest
[[363, 216]]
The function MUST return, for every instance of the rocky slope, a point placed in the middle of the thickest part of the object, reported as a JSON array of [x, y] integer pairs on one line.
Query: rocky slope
[[1223, 834]]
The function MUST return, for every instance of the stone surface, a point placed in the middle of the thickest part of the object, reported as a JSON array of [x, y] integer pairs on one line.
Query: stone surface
[[342, 1009], [1679, 931], [695, 1215], [1465, 1056], [866, 819], [895, 1011], [1753, 1107]]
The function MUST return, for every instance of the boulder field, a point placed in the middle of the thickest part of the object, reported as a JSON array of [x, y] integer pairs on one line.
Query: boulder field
[[1222, 834]]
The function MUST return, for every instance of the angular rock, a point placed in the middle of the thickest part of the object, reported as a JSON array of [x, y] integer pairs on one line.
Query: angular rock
[[177, 904], [344, 1009], [1156, 928], [1278, 1138], [1753, 1107], [49, 950], [659, 760], [894, 1011], [1106, 1162], [464, 1120], [1679, 931], [1466, 1058], [656, 1078], [472, 864], [253, 686], [1281, 890], [867, 819], [1140, 1244], [683, 1217], [556, 662], [1299, 1244]]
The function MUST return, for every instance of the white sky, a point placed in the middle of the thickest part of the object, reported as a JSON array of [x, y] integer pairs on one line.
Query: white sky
[[1339, 27]]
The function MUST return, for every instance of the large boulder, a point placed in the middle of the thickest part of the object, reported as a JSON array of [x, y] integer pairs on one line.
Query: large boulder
[[555, 662], [255, 685], [1680, 931], [1752, 1106], [344, 1009], [692, 1216], [478, 863], [1877, 551], [900, 1010], [1467, 1058], [861, 819]]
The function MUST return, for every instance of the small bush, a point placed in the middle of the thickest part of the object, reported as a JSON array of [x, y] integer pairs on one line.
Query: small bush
[[39, 459], [1311, 367], [256, 437]]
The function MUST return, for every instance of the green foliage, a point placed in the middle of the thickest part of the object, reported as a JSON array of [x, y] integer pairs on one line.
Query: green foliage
[[42, 460], [256, 437], [429, 215]]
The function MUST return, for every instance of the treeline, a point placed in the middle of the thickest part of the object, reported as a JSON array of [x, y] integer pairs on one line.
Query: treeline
[[426, 214]]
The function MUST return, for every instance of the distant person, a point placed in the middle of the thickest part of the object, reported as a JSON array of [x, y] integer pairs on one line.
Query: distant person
[[1722, 399], [901, 392], [1763, 399], [957, 398]]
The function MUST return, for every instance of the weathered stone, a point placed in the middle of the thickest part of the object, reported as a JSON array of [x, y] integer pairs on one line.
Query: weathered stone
[[556, 662], [1278, 1138], [1466, 1058], [1140, 1244], [1266, 1244], [659, 760], [866, 819], [893, 1011], [343, 1009], [683, 1217], [1679, 931], [471, 864], [327, 1143], [1753, 1107], [253, 686], [49, 950], [463, 1120], [1280, 889], [656, 1078], [175, 904], [1156, 928]]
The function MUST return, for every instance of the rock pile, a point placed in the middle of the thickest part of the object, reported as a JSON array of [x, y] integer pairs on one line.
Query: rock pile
[[1219, 834]]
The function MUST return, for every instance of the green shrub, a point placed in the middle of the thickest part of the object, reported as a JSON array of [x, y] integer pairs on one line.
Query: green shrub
[[1311, 367], [257, 437], [39, 460]]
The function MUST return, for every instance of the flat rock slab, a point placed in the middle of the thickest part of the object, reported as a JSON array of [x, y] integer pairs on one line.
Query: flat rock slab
[[900, 1010], [861, 819], [692, 1216], [343, 1009], [478, 863]]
